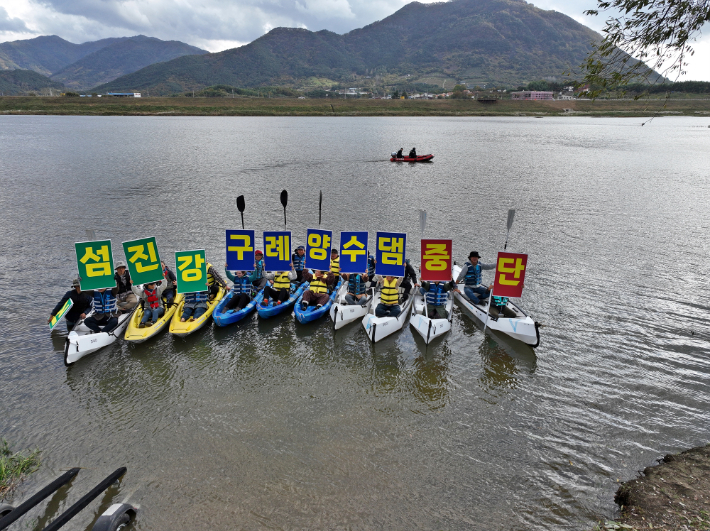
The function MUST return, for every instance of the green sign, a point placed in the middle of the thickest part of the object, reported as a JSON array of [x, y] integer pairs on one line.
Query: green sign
[[143, 260], [95, 263], [191, 271], [61, 313]]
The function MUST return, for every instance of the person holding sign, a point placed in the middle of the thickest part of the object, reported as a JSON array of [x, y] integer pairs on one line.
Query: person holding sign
[[472, 275], [317, 293], [389, 296], [82, 304], [241, 290], [280, 288], [436, 298], [335, 264], [106, 312], [152, 307], [357, 288], [257, 277]]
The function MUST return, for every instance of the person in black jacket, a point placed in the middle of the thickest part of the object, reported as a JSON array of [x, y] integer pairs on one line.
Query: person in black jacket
[[126, 299], [413, 153], [82, 304], [169, 293], [410, 277]]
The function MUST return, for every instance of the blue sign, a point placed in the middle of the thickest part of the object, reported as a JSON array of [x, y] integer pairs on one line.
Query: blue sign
[[353, 252], [318, 244], [390, 250], [240, 250], [277, 250]]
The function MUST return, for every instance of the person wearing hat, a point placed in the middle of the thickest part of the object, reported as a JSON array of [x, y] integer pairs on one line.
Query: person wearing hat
[[126, 299], [298, 259], [472, 276], [152, 307], [82, 304], [335, 264], [257, 277]]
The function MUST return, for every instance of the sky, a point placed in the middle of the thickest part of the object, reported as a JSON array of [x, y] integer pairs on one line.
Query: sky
[[217, 25]]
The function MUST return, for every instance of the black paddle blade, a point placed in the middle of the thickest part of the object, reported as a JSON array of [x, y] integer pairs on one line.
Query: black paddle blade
[[240, 203], [320, 206], [284, 198]]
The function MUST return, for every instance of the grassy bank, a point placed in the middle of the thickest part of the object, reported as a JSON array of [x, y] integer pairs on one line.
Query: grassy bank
[[340, 107], [14, 466]]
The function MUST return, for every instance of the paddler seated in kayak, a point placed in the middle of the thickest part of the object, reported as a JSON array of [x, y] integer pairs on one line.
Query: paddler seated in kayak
[[389, 296], [152, 307], [335, 264], [357, 288], [317, 292], [257, 277], [106, 312], [410, 278], [298, 259], [169, 293], [241, 291], [196, 303], [82, 304], [126, 298], [436, 297], [280, 289], [399, 154], [472, 275], [413, 153]]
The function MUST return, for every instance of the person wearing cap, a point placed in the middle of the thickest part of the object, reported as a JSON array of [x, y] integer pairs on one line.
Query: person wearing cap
[[126, 299], [280, 289], [472, 276], [241, 290], [389, 296], [317, 293], [257, 277], [169, 293], [82, 304], [335, 264], [152, 307], [298, 259], [106, 312]]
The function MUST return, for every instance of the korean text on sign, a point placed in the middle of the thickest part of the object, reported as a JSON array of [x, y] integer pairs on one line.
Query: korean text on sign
[[353, 252], [143, 260], [318, 244], [240, 250], [391, 247], [436, 260], [191, 271], [277, 250], [95, 263], [510, 274]]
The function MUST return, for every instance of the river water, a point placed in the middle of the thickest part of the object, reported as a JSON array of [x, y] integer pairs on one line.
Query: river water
[[276, 425]]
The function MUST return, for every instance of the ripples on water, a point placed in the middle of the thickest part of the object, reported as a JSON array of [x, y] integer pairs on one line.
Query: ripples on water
[[270, 424]]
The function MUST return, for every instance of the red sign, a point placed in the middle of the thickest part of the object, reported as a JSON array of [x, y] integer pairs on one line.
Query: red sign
[[510, 274], [436, 260]]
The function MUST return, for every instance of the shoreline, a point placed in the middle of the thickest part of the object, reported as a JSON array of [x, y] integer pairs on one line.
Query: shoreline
[[182, 106]]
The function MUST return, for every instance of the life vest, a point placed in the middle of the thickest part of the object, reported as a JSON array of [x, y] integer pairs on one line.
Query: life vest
[[335, 267], [356, 285], [196, 297], [104, 302], [241, 285], [259, 270], [152, 297], [318, 285], [210, 275], [500, 301], [370, 266], [390, 292], [473, 275], [282, 281], [436, 296], [299, 262]]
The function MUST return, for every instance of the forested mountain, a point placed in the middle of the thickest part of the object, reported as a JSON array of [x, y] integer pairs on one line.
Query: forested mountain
[[495, 41], [121, 58], [17, 82]]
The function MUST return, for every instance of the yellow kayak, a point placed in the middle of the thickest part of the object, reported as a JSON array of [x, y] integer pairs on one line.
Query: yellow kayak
[[178, 328], [138, 335]]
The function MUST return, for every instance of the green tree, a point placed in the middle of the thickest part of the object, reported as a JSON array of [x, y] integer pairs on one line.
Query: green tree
[[395, 94], [459, 88]]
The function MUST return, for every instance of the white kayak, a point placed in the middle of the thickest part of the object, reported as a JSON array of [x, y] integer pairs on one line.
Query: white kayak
[[513, 322], [82, 341], [378, 328], [427, 327], [343, 313]]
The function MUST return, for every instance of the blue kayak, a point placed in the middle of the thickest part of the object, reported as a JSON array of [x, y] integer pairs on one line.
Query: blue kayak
[[311, 313], [269, 311], [223, 318]]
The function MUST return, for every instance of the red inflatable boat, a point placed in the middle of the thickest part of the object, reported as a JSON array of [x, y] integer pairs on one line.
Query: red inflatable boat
[[422, 158]]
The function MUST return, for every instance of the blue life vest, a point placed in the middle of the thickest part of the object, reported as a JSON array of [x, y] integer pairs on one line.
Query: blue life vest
[[299, 262], [242, 285], [473, 275], [370, 266], [104, 302], [259, 270], [500, 301], [196, 297], [356, 285], [435, 295]]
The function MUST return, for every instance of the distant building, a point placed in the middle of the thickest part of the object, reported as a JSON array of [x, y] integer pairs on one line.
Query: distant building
[[531, 95], [125, 94]]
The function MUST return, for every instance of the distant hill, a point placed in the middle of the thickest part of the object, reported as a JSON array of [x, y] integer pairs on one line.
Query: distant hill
[[17, 82], [121, 58], [486, 41]]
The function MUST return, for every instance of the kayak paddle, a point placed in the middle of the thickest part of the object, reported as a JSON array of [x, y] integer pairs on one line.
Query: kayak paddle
[[511, 216], [284, 202], [320, 206], [240, 206]]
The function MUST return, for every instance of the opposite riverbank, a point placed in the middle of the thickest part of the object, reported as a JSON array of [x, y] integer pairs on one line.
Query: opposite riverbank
[[111, 106]]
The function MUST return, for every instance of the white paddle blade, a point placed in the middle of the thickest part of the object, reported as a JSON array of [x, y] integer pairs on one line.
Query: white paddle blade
[[90, 234], [511, 216], [422, 220]]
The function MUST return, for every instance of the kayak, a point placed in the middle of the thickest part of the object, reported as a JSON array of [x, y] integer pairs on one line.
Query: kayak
[[180, 329], [311, 313], [513, 322], [82, 341], [269, 311], [380, 327], [421, 158], [135, 334], [427, 327], [343, 313], [224, 318]]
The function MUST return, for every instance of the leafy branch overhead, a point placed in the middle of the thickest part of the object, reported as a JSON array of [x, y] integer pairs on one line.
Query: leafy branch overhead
[[657, 33]]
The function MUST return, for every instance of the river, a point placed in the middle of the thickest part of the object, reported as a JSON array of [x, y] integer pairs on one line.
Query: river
[[277, 425]]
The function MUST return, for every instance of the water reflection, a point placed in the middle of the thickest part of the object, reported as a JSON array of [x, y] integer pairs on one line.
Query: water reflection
[[504, 362]]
